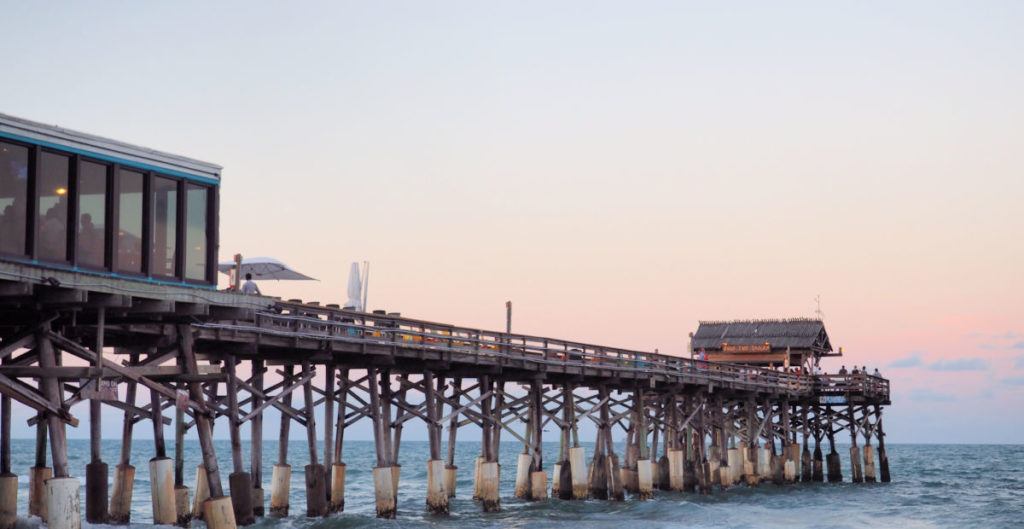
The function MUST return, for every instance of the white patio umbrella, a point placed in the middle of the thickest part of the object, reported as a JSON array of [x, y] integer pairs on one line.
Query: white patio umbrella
[[355, 289], [264, 268]]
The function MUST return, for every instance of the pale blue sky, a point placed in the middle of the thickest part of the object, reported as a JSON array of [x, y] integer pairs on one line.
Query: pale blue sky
[[695, 161]]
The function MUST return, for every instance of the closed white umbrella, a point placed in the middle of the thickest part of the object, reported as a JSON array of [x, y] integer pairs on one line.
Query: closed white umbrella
[[355, 289], [264, 268]]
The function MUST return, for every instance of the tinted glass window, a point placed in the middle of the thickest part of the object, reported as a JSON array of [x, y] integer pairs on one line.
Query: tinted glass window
[[13, 198], [195, 256], [52, 210], [92, 215], [129, 223], [165, 225]]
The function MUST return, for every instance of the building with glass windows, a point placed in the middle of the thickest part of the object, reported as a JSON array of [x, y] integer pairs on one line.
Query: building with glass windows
[[81, 203]]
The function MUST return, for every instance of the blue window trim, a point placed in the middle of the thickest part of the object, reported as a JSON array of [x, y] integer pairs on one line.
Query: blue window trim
[[113, 159]]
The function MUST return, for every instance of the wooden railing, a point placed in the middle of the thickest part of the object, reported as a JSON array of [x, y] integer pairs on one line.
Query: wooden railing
[[328, 323]]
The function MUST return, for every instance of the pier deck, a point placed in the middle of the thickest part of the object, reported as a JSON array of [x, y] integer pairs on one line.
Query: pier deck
[[205, 355]]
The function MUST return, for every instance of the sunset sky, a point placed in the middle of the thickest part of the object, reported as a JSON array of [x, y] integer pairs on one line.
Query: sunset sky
[[619, 171]]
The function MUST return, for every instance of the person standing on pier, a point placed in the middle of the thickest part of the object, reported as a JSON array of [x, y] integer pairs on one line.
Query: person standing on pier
[[250, 287]]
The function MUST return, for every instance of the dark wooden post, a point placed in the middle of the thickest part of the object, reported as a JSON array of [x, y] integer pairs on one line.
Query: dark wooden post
[[329, 396], [280, 481], [383, 483], [204, 425], [124, 472], [805, 455], [96, 472], [883, 459], [835, 474], [256, 434], [453, 428], [337, 501], [437, 498], [239, 480], [316, 496], [855, 462]]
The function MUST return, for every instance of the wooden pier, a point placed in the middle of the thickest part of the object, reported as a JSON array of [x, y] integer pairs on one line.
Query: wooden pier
[[205, 356]]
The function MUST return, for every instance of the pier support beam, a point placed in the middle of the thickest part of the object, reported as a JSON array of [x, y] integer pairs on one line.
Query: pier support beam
[[316, 491], [437, 497], [120, 511], [62, 491], [239, 481], [181, 503], [856, 469], [281, 476], [337, 501], [39, 473], [383, 482], [835, 473], [883, 459], [96, 472], [450, 470], [8, 481], [256, 436], [214, 507]]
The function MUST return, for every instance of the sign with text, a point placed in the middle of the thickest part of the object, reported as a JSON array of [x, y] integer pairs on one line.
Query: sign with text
[[747, 348]]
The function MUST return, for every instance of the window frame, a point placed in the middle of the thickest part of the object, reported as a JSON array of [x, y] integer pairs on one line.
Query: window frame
[[30, 208], [108, 213], [112, 217], [70, 238]]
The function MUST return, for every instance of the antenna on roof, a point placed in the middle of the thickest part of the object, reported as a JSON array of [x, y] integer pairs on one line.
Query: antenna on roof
[[817, 310]]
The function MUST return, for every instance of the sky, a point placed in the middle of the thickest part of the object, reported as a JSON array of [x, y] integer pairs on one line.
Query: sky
[[619, 171]]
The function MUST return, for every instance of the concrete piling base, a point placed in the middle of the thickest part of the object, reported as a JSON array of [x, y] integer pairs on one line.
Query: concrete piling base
[[869, 464], [615, 490], [689, 475], [37, 477], [120, 512], [538, 485], [735, 466], [793, 455], [63, 509], [384, 492], [724, 476], [182, 507], [161, 480], [598, 478], [817, 466], [490, 475], [258, 501], [240, 484], [675, 470], [9, 501], [764, 464], [316, 491], [219, 513], [645, 487], [96, 492], [856, 469], [564, 472], [437, 497], [450, 477], [280, 488], [664, 473], [476, 477], [835, 473], [806, 466], [202, 493], [337, 503], [578, 467], [778, 463], [522, 487]]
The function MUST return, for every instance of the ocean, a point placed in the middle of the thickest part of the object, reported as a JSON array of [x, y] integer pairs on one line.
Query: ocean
[[934, 486]]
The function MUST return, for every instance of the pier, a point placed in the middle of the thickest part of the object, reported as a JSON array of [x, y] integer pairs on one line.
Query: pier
[[84, 328]]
